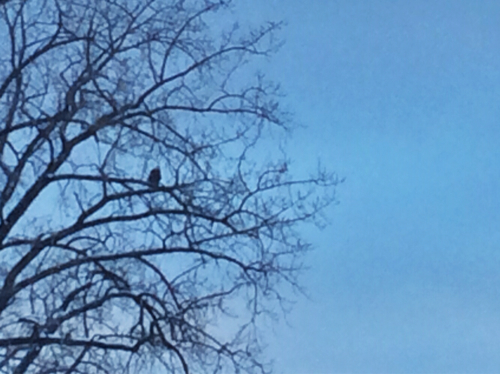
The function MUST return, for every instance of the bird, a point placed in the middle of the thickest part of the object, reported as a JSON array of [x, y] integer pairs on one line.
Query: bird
[[51, 325], [154, 177]]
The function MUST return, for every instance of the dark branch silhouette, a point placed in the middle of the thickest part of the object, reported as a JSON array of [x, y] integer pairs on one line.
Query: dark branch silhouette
[[107, 266]]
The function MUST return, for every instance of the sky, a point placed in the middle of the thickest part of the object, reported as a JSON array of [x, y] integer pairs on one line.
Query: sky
[[403, 99]]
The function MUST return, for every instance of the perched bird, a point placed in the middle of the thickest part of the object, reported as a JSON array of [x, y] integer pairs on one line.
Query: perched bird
[[154, 177], [51, 325]]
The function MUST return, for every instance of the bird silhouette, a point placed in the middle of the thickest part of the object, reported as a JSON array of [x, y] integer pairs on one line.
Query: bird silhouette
[[154, 177]]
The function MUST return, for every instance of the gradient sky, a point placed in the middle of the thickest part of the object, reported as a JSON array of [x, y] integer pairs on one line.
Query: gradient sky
[[403, 99]]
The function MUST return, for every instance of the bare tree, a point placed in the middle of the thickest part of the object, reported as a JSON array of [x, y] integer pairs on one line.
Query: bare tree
[[104, 267]]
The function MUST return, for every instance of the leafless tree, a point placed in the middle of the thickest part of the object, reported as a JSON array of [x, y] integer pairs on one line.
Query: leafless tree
[[100, 272]]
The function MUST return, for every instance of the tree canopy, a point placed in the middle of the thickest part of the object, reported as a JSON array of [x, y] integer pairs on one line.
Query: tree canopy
[[142, 228]]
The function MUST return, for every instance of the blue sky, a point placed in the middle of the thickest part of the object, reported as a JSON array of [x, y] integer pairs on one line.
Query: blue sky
[[403, 99]]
